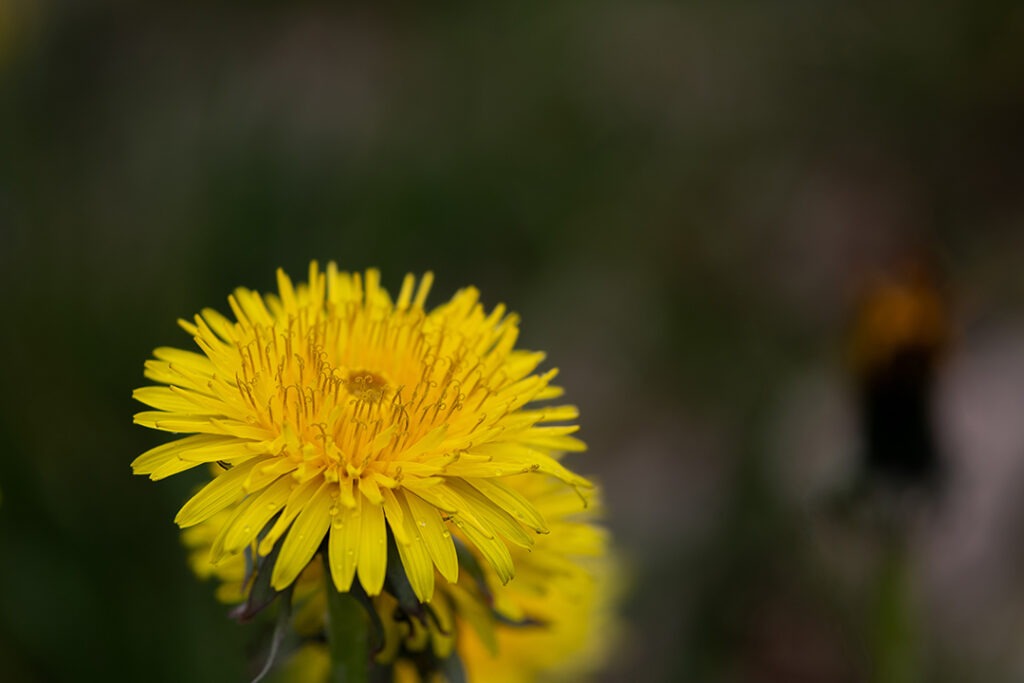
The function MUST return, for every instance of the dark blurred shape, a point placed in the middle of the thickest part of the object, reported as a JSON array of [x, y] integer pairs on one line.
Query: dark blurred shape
[[899, 338]]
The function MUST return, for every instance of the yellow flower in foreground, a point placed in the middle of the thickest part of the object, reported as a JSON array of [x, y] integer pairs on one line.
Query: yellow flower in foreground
[[339, 413]]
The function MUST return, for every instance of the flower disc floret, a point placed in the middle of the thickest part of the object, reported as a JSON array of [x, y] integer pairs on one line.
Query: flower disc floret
[[336, 412]]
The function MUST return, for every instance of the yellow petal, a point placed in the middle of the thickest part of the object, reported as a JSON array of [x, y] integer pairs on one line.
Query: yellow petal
[[421, 294], [172, 467], [373, 291], [178, 422], [242, 430], [405, 294], [564, 413], [177, 375], [219, 325], [162, 398], [297, 501], [223, 491], [226, 448], [217, 547], [419, 569], [189, 359], [495, 519], [446, 499], [345, 494], [431, 439], [522, 363], [370, 489], [213, 401], [549, 392], [249, 305], [269, 471], [154, 458], [395, 515], [286, 291], [494, 551], [373, 548], [303, 539], [316, 283], [263, 508], [529, 459], [511, 501], [478, 466], [549, 439], [343, 545], [381, 440], [435, 535]]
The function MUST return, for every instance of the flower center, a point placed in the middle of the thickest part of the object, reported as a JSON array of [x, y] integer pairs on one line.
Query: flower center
[[367, 386]]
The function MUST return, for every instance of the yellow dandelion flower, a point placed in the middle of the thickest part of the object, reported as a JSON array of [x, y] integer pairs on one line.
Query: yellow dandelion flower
[[340, 413]]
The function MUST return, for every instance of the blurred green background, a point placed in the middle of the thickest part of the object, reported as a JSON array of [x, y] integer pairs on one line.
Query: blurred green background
[[682, 200]]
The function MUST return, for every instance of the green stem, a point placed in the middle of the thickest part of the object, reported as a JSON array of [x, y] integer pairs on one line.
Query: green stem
[[895, 644], [348, 635]]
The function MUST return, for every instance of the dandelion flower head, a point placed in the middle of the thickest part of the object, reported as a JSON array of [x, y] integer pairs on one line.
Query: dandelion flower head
[[338, 415]]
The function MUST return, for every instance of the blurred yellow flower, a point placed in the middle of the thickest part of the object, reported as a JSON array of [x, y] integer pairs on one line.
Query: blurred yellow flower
[[338, 413], [552, 622], [557, 615]]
